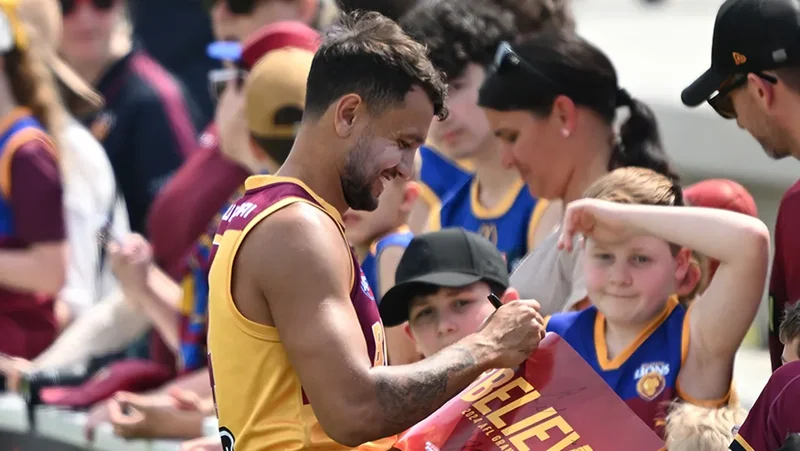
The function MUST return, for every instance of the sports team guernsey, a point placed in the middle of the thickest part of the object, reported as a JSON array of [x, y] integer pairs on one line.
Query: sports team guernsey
[[31, 213], [645, 375], [260, 401]]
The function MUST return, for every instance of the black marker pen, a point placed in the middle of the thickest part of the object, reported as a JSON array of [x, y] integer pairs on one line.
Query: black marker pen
[[496, 302]]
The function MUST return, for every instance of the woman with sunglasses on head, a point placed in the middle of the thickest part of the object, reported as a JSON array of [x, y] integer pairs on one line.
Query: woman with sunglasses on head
[[552, 99], [149, 124], [32, 232]]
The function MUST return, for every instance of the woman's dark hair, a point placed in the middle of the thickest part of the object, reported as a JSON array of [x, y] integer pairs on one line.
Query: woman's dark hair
[[532, 73]]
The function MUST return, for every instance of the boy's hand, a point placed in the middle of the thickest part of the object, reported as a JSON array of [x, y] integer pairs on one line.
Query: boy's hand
[[599, 220]]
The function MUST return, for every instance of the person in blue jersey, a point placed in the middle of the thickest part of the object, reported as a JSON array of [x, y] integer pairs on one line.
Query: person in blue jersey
[[439, 174], [637, 241], [380, 237], [463, 37]]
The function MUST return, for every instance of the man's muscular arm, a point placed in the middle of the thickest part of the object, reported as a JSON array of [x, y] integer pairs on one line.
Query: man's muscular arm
[[298, 260]]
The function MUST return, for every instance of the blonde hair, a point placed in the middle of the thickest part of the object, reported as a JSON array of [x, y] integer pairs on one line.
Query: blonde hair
[[33, 86], [693, 428], [634, 185]]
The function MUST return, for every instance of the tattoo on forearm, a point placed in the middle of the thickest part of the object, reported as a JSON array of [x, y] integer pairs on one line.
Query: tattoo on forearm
[[409, 396]]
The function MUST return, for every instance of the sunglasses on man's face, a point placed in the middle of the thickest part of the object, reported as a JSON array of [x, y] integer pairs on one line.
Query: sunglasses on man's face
[[241, 7], [722, 101], [218, 80], [68, 6]]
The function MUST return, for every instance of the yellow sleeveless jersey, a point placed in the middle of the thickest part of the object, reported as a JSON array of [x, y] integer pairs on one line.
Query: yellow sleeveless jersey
[[260, 402]]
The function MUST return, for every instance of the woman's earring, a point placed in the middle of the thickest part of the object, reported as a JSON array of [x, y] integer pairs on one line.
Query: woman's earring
[[565, 133]]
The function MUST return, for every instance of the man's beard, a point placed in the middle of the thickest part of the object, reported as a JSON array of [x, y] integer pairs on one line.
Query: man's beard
[[356, 187]]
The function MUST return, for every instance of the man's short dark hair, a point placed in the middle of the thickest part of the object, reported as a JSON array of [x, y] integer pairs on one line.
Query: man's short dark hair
[[790, 326], [369, 55], [392, 9], [534, 16], [460, 32]]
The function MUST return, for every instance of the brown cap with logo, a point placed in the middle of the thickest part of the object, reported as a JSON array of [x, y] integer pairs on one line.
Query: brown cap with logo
[[275, 92]]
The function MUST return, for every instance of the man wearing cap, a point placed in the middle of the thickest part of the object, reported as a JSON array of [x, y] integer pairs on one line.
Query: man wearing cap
[[186, 205], [755, 79], [442, 286]]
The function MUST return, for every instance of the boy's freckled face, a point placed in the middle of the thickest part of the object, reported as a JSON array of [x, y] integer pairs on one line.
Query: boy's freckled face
[[445, 317], [630, 281]]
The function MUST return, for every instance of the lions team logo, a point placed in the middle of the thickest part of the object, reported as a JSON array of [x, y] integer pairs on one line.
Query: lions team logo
[[228, 440], [651, 379], [365, 286]]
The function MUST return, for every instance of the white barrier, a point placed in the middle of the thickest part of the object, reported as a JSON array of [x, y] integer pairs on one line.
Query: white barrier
[[65, 426], [13, 414], [62, 425]]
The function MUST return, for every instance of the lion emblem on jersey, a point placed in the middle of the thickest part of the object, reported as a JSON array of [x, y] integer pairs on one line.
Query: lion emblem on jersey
[[365, 286], [650, 386]]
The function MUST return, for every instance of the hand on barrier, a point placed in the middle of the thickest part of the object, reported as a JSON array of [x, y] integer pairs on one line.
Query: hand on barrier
[[14, 369], [156, 416]]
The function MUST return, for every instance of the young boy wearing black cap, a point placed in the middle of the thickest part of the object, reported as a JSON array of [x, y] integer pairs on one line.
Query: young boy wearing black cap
[[442, 286]]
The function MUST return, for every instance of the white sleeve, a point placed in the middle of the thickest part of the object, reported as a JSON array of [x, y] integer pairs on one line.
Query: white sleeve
[[107, 327], [89, 196]]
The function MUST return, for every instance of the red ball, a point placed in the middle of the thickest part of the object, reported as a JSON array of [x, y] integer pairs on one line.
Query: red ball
[[723, 194]]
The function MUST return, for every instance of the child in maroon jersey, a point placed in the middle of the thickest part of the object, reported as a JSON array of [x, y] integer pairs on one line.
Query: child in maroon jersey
[[32, 231], [774, 415]]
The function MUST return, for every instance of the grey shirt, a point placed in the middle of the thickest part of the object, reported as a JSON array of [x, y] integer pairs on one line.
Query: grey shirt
[[550, 276]]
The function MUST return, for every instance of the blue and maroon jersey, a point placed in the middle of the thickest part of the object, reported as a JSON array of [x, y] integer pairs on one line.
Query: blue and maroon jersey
[[31, 212], [645, 374]]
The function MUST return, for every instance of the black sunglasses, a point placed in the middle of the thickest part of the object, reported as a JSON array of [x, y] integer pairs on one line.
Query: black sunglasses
[[722, 102], [218, 80], [506, 58], [241, 7], [68, 6]]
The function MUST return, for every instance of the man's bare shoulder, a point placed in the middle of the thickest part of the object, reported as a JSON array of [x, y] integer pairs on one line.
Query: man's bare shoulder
[[291, 241]]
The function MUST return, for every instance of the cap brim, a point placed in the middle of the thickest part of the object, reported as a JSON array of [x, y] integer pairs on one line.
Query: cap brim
[[702, 88], [224, 51], [395, 303]]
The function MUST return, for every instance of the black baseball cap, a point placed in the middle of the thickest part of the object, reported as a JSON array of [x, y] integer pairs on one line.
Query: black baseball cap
[[749, 36], [448, 258]]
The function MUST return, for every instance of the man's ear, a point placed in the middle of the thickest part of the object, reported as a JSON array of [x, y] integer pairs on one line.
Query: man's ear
[[346, 114]]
